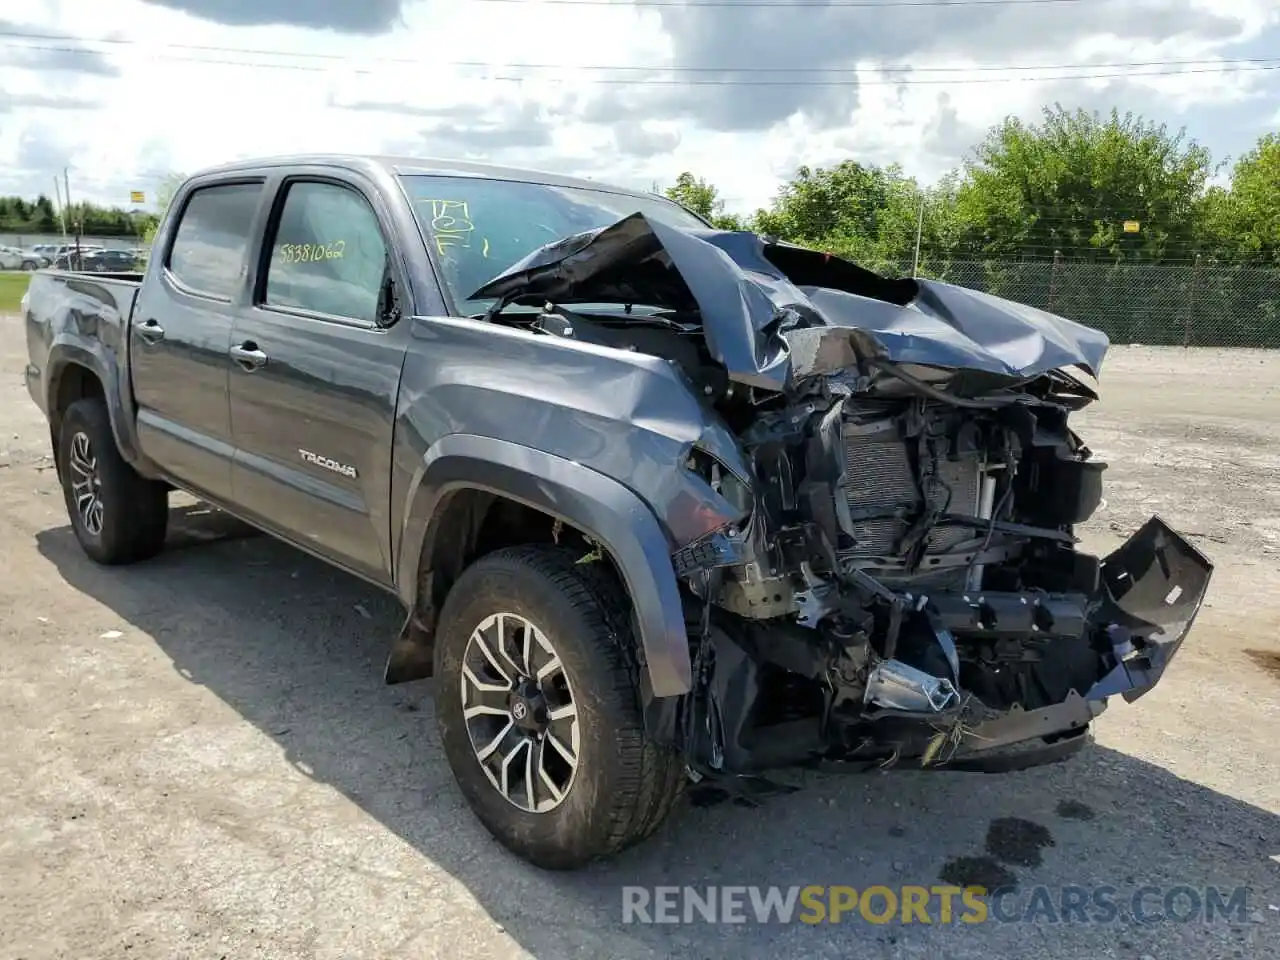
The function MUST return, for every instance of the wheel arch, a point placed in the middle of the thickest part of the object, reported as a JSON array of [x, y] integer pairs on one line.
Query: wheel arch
[[469, 487], [80, 369], [74, 374]]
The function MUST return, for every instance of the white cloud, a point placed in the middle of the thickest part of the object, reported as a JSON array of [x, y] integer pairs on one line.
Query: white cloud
[[149, 109]]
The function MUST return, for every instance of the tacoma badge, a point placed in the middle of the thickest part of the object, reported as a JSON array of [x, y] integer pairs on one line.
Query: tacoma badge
[[334, 465]]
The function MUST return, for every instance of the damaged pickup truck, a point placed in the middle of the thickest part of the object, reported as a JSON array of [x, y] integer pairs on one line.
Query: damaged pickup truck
[[663, 503]]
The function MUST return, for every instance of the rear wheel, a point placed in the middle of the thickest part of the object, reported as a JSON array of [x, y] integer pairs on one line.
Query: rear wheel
[[118, 515], [537, 702]]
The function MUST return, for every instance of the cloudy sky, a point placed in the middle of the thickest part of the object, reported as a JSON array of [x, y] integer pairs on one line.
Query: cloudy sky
[[127, 91]]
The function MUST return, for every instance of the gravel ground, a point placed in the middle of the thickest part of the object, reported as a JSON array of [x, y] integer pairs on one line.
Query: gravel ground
[[199, 759]]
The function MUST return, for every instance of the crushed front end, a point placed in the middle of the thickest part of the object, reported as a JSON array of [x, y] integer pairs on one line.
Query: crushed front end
[[914, 589], [902, 580]]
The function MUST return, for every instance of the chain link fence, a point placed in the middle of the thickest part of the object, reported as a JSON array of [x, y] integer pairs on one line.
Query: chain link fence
[[1191, 305], [24, 240]]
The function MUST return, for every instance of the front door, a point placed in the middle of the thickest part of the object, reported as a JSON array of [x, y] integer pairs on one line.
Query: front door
[[314, 379], [180, 335]]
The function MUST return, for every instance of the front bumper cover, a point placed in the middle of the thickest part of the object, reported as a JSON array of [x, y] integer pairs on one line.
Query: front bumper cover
[[1152, 587]]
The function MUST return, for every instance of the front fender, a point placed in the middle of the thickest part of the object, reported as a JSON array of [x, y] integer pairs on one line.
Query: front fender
[[597, 505]]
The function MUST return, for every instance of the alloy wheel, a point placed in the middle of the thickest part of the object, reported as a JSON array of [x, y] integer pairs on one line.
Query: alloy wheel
[[86, 485], [520, 712]]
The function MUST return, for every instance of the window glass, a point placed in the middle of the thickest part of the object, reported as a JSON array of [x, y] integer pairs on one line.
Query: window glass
[[478, 227], [208, 248], [328, 254]]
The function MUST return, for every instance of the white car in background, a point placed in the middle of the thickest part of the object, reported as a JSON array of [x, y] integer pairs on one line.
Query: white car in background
[[11, 258], [32, 258]]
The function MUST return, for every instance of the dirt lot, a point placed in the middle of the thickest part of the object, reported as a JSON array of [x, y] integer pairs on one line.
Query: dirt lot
[[198, 758]]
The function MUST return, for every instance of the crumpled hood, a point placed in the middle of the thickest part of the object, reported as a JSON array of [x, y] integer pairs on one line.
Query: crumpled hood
[[773, 313]]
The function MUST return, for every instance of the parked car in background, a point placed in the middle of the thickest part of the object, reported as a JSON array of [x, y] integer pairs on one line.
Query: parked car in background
[[15, 258], [51, 251], [110, 261], [69, 257], [10, 258], [41, 254], [33, 258]]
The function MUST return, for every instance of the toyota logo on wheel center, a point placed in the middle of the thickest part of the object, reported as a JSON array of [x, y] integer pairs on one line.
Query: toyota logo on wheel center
[[519, 710]]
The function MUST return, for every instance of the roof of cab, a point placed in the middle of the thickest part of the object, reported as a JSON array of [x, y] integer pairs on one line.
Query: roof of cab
[[420, 166]]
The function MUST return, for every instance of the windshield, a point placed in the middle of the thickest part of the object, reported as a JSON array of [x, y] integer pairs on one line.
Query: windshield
[[478, 227]]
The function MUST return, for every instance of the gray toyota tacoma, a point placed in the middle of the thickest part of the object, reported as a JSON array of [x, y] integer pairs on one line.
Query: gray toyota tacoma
[[664, 504]]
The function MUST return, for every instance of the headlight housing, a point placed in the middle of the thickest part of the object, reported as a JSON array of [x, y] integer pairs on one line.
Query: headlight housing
[[735, 489]]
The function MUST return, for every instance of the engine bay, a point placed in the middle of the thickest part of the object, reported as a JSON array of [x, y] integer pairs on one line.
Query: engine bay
[[920, 552]]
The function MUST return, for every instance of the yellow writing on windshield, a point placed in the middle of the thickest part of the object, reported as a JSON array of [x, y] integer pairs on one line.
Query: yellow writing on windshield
[[451, 226], [311, 252]]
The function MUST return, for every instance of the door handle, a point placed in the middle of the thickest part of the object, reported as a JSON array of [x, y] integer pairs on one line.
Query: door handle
[[249, 356], [151, 331]]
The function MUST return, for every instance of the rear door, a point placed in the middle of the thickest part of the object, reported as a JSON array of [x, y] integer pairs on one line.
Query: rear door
[[180, 336], [316, 370]]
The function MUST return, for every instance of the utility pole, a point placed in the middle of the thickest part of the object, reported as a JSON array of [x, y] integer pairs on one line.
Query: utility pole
[[62, 209], [66, 185], [915, 264]]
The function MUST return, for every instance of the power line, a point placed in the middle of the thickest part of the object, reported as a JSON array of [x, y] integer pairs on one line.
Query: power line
[[847, 4], [1224, 62], [1251, 67]]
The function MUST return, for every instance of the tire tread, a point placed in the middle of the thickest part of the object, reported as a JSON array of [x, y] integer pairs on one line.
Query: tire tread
[[649, 776], [140, 506], [653, 775]]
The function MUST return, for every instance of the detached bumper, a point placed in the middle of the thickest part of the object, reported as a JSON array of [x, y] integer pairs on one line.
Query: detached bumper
[[1152, 588]]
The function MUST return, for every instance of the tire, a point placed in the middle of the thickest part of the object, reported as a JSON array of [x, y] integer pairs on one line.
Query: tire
[[623, 784], [125, 522], [29, 265]]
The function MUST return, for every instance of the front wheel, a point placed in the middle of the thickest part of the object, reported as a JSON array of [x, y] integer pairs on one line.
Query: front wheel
[[538, 706], [29, 265], [118, 515]]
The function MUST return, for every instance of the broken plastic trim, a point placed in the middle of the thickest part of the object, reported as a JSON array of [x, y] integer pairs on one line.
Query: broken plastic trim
[[1153, 586], [1154, 583]]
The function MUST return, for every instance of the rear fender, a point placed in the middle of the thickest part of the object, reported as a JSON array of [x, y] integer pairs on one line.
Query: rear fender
[[91, 356], [78, 321], [595, 504]]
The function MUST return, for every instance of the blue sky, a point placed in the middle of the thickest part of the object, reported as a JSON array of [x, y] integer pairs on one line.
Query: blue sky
[[127, 92]]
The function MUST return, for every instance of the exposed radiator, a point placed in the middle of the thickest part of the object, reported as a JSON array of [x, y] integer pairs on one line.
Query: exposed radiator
[[880, 480], [964, 479]]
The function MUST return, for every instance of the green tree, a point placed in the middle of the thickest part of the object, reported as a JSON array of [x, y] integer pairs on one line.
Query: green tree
[[866, 213], [841, 204], [46, 218], [911, 212], [1244, 222], [164, 196], [702, 198], [1071, 182], [18, 215], [168, 187]]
